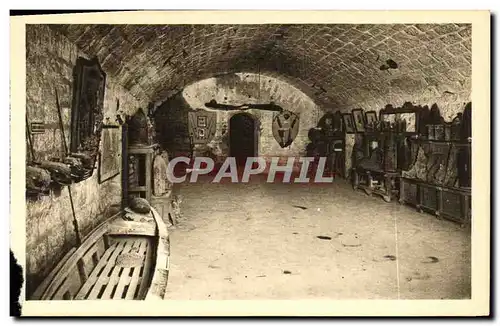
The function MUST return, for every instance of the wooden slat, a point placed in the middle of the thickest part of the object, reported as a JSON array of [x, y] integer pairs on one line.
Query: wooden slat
[[125, 278], [114, 278], [146, 271], [132, 228], [134, 281], [71, 262], [88, 260], [93, 276], [141, 149], [69, 287], [159, 279], [138, 188], [43, 286], [103, 278], [149, 167]]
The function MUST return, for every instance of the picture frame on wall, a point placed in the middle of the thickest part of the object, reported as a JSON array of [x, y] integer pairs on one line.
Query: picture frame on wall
[[371, 118], [202, 121], [110, 154], [201, 133], [348, 123], [359, 120]]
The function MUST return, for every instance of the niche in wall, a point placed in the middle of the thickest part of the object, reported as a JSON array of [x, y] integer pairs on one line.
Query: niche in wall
[[87, 107]]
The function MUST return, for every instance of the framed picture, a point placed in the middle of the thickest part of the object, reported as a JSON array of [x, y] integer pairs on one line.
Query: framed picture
[[326, 121], [202, 121], [202, 126], [371, 118], [405, 119], [110, 155], [348, 123], [201, 133], [359, 120]]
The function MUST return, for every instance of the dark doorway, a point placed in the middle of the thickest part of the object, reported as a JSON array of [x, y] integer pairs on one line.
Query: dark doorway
[[243, 141]]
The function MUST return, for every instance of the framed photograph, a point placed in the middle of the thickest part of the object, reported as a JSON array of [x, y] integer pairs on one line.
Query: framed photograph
[[371, 117], [410, 121], [110, 155], [348, 123], [201, 133], [202, 121], [326, 121], [405, 118], [359, 120]]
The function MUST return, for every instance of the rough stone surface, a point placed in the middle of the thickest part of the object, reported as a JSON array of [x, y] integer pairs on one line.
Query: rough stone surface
[[50, 59], [338, 65]]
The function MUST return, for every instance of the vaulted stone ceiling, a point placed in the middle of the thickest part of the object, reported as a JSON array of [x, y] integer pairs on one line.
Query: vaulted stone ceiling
[[337, 65]]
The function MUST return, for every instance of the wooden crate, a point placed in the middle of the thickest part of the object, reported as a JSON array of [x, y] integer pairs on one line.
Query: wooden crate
[[456, 205], [429, 197], [447, 202], [408, 190]]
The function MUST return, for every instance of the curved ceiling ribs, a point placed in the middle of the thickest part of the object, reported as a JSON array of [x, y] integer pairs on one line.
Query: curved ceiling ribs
[[331, 63]]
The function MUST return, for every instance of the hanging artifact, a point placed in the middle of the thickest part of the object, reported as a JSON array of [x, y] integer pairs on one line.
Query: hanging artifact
[[202, 126], [285, 128], [228, 107]]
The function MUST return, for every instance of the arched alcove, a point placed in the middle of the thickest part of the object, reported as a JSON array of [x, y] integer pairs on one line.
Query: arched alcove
[[239, 89], [243, 137]]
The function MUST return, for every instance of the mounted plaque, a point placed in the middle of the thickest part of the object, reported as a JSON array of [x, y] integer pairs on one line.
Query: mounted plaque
[[202, 125], [285, 128]]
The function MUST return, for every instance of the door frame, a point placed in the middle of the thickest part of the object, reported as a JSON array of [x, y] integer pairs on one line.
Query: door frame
[[256, 123]]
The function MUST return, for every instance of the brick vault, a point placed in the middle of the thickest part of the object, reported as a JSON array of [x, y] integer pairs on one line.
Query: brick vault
[[336, 65]]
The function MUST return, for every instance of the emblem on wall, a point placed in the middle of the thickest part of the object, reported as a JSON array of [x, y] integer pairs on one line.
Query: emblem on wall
[[202, 126], [285, 128]]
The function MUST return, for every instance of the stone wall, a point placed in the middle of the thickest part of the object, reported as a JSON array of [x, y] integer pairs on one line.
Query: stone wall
[[236, 89], [50, 59]]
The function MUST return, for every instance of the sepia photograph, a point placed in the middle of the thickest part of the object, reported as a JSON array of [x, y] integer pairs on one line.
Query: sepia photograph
[[199, 158]]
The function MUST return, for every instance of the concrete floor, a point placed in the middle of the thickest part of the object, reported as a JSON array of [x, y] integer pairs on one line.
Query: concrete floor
[[247, 241]]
